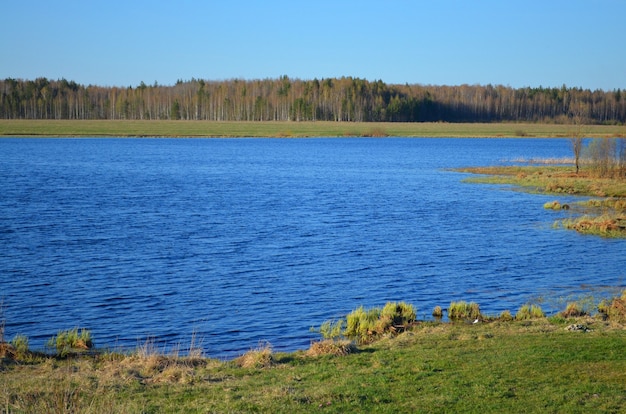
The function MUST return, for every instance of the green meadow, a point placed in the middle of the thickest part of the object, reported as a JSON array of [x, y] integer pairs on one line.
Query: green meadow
[[108, 128]]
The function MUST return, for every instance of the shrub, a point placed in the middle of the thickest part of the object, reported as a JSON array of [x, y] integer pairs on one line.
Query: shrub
[[375, 132], [529, 311], [71, 341], [438, 312], [462, 311]]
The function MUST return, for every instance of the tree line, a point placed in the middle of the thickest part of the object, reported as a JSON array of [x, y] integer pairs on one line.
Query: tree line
[[287, 99]]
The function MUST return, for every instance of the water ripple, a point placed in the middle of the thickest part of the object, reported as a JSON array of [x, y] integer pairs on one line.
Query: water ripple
[[244, 241]]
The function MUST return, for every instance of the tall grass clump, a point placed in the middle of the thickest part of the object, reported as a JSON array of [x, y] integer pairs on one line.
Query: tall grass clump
[[330, 329], [364, 325], [506, 316], [20, 343], [71, 341], [606, 225], [615, 309], [398, 314], [459, 311], [573, 310], [361, 324], [261, 357], [529, 311]]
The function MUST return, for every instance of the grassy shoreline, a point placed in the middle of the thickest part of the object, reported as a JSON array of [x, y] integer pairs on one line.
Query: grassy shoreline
[[531, 366], [121, 128], [604, 216], [570, 362]]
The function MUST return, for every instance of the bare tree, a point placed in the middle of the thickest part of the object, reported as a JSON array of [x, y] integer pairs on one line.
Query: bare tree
[[577, 139]]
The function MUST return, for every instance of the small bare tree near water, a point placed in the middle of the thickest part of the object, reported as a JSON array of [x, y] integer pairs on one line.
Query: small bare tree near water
[[577, 147], [577, 139]]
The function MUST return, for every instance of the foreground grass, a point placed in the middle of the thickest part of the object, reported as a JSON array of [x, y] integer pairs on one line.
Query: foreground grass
[[531, 366], [74, 128]]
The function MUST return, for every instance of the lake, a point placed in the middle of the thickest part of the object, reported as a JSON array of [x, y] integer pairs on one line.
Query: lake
[[242, 241]]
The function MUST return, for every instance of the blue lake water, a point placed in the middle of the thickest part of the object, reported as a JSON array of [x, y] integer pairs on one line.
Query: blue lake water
[[250, 240]]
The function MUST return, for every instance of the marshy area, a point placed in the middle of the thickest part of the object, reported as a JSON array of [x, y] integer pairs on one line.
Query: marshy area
[[601, 183], [374, 360]]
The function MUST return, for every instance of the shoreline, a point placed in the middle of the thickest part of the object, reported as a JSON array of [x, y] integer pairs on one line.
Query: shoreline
[[500, 365]]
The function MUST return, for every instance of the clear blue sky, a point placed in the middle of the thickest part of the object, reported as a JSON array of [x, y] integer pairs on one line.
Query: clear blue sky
[[438, 42]]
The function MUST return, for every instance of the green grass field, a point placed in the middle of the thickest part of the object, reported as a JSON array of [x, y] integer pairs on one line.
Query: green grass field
[[532, 366], [46, 128]]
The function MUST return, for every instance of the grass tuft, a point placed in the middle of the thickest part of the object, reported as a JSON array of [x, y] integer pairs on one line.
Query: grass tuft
[[615, 309], [331, 347], [506, 316], [529, 311], [259, 358], [71, 341], [573, 310], [461, 311]]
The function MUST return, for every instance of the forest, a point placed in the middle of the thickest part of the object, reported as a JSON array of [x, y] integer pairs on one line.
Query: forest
[[286, 99]]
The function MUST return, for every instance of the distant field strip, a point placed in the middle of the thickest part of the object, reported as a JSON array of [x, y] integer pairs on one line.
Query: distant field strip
[[104, 128]]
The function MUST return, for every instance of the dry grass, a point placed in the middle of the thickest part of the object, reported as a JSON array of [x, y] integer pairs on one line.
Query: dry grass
[[573, 310], [606, 225], [331, 347], [615, 309], [259, 358]]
